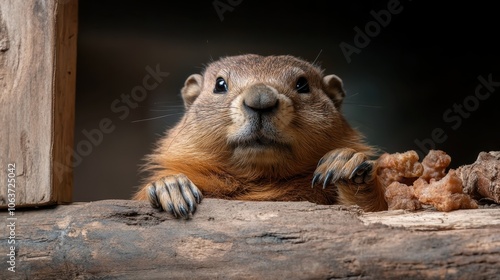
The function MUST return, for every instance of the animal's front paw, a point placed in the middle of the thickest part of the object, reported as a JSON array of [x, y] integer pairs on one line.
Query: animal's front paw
[[175, 194], [343, 165]]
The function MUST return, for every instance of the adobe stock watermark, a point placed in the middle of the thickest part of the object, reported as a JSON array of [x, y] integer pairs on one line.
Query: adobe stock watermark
[[11, 219], [455, 115], [121, 107], [372, 29], [222, 6]]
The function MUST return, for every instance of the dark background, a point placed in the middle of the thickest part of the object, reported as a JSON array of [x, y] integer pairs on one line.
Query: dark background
[[424, 61]]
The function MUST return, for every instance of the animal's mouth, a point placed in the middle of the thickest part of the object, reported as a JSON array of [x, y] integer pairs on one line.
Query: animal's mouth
[[259, 142]]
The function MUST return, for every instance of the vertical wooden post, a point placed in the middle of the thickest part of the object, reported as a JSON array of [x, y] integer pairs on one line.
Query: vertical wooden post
[[37, 95]]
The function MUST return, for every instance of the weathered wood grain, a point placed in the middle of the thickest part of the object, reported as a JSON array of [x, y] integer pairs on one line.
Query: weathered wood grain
[[429, 219], [115, 239], [37, 84], [481, 179]]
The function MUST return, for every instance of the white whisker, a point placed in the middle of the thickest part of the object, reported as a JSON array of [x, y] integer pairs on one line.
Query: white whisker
[[320, 51], [365, 106], [153, 118]]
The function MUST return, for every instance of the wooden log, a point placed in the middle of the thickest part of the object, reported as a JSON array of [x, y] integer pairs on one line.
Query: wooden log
[[481, 179], [37, 95], [116, 239]]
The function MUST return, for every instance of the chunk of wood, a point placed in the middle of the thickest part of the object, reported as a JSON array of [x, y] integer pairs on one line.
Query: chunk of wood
[[432, 220], [37, 96], [482, 178], [257, 240]]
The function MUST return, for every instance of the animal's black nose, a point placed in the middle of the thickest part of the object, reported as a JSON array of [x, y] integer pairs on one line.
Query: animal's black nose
[[261, 99]]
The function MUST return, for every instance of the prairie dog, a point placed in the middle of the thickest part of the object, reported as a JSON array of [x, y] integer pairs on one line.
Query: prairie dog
[[261, 128]]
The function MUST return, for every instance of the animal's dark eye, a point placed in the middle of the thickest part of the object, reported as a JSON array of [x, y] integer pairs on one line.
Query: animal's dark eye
[[302, 86], [220, 85]]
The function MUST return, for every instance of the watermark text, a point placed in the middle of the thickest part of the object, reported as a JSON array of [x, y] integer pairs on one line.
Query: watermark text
[[11, 219], [372, 29], [222, 6], [455, 115]]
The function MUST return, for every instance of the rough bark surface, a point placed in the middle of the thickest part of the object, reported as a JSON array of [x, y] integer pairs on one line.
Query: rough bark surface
[[116, 239], [482, 178]]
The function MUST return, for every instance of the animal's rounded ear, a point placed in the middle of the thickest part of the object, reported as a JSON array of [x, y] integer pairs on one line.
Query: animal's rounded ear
[[191, 89], [333, 87]]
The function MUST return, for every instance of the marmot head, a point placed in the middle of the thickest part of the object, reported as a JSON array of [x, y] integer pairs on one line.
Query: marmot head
[[271, 115]]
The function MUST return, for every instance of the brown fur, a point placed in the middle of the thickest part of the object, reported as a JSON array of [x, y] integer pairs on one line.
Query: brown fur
[[207, 145]]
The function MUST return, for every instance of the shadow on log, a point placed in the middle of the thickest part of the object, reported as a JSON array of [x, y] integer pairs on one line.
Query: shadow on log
[[118, 239]]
